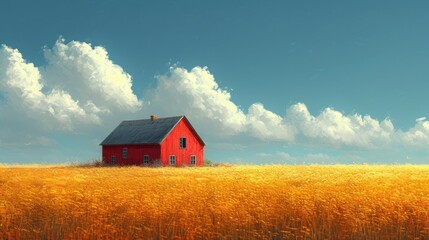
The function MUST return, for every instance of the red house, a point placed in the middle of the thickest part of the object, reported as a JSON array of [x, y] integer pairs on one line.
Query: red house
[[170, 141]]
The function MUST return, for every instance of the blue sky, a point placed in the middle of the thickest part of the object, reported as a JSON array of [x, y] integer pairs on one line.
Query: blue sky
[[262, 81]]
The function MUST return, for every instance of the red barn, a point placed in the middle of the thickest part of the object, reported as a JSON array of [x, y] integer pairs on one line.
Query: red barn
[[170, 141]]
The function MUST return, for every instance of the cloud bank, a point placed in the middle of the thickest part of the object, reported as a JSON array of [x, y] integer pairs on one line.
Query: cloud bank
[[197, 94], [81, 85]]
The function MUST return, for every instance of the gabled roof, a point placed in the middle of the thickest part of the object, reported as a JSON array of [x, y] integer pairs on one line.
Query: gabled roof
[[144, 131]]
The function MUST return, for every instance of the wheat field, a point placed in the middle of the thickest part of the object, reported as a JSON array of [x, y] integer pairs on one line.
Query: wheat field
[[237, 202]]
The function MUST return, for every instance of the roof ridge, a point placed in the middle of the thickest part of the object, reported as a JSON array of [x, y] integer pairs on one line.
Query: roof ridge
[[178, 116]]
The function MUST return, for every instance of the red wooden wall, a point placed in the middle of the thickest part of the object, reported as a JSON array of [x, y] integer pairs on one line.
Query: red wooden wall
[[171, 146], [134, 156]]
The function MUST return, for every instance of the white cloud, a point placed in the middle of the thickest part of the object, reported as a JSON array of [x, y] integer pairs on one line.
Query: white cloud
[[333, 128], [89, 75], [196, 94], [20, 78], [417, 135], [79, 85], [268, 125], [23, 88]]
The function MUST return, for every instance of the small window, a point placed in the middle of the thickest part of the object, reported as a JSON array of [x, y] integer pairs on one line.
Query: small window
[[146, 159], [193, 160], [113, 160], [124, 152], [172, 160], [183, 142]]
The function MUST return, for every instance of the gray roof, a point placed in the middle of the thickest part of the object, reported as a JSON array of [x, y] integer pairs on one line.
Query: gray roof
[[143, 131]]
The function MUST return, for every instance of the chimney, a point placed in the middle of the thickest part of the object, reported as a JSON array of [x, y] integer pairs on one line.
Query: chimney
[[153, 118]]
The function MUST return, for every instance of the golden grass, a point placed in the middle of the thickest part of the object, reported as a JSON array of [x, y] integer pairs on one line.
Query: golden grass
[[238, 202]]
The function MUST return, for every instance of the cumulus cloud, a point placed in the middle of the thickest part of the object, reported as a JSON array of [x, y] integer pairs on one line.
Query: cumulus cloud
[[267, 125], [417, 135], [20, 78], [79, 85], [22, 85], [196, 93], [89, 75], [334, 128]]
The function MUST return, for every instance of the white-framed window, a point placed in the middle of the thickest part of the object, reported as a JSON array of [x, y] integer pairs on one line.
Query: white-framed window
[[182, 142], [193, 160], [124, 152], [172, 160], [146, 159], [113, 160]]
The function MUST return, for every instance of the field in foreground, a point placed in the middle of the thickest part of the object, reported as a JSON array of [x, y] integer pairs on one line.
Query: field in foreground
[[247, 202]]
